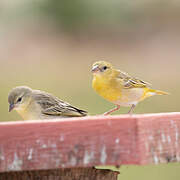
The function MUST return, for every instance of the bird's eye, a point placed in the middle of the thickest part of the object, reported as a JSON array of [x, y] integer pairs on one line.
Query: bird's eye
[[19, 99], [105, 67]]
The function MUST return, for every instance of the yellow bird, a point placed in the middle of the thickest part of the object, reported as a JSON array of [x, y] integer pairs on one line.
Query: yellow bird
[[119, 87]]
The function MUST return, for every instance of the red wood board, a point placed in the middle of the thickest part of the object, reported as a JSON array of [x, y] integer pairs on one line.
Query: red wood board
[[89, 141]]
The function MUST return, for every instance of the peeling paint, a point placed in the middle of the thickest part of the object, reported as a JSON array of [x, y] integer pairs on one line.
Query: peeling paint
[[37, 141], [151, 137], [178, 157], [53, 145], [169, 139], [30, 154], [147, 146], [61, 138], [73, 161], [58, 162], [156, 160], [44, 146], [16, 164], [88, 157], [177, 135], [160, 147], [163, 137], [103, 155], [176, 144], [177, 139], [172, 122], [117, 141], [1, 156]]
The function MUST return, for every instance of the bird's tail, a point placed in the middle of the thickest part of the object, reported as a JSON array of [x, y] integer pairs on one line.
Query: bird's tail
[[152, 92], [158, 92]]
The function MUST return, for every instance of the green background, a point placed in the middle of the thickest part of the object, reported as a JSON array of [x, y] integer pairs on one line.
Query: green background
[[51, 45]]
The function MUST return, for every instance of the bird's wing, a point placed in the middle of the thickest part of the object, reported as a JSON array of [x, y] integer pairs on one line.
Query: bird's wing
[[51, 105], [131, 82]]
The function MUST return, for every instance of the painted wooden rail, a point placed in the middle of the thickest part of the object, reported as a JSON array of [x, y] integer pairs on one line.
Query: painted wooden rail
[[89, 141]]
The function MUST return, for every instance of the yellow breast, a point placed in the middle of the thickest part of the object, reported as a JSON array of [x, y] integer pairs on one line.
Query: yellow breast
[[112, 91], [106, 88], [23, 113], [29, 110]]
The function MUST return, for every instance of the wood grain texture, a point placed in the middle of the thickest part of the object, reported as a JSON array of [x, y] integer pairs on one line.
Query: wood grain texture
[[62, 174], [89, 141], [159, 138]]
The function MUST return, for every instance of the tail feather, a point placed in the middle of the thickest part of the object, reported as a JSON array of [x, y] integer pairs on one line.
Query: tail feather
[[158, 92], [151, 92]]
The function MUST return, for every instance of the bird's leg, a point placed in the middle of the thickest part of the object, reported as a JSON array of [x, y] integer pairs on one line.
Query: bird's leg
[[132, 108], [112, 110]]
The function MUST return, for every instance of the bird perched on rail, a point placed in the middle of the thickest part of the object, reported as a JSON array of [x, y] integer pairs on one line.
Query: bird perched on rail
[[119, 87], [35, 104]]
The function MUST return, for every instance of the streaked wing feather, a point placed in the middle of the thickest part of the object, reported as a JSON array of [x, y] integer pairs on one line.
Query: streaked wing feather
[[51, 105], [131, 82]]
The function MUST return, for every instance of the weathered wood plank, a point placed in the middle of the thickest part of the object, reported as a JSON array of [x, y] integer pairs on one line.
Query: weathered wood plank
[[62, 174], [76, 142], [89, 141], [159, 138]]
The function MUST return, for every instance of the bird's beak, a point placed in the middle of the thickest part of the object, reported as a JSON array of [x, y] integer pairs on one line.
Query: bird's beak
[[95, 69], [11, 107]]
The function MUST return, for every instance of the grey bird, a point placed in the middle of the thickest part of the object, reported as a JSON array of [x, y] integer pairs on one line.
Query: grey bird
[[35, 104]]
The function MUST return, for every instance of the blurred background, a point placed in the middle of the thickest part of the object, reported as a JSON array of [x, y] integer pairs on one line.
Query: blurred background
[[51, 45]]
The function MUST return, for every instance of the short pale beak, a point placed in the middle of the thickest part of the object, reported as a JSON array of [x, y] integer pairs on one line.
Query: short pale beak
[[11, 107], [95, 69]]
